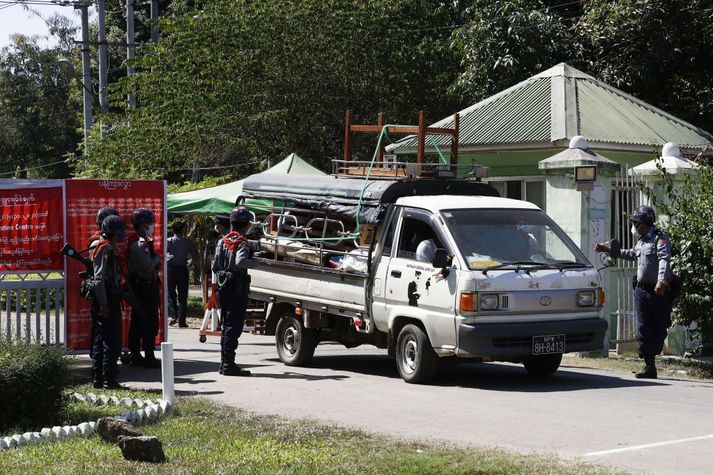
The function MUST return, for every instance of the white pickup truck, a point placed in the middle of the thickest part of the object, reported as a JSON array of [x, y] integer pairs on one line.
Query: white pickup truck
[[445, 275]]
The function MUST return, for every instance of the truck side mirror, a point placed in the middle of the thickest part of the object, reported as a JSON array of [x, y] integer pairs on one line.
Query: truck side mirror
[[441, 259]]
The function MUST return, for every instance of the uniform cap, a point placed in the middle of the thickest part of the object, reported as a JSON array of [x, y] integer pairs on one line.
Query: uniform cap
[[104, 212], [142, 216], [644, 214], [240, 215], [113, 226]]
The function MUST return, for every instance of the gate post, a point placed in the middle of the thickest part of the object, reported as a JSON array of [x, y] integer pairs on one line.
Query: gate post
[[582, 210]]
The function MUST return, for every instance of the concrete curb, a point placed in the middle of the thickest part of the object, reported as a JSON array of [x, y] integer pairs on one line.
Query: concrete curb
[[146, 411]]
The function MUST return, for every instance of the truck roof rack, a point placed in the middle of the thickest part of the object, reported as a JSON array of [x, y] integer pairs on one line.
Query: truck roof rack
[[391, 169]]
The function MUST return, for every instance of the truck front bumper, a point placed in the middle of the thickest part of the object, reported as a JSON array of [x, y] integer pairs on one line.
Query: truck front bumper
[[514, 340]]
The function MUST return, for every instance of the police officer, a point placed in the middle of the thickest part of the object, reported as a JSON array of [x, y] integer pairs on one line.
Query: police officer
[[107, 339], [178, 250], [232, 258], [142, 263], [652, 293], [94, 240]]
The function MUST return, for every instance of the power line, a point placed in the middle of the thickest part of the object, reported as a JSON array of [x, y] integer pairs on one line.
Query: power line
[[33, 168]]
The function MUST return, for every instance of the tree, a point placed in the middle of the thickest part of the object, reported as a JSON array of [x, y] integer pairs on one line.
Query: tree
[[657, 50], [39, 113], [507, 41], [235, 83]]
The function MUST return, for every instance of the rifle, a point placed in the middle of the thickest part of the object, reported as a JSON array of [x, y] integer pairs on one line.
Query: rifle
[[69, 251]]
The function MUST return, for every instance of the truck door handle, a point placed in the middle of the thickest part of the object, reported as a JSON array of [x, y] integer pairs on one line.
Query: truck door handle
[[396, 273]]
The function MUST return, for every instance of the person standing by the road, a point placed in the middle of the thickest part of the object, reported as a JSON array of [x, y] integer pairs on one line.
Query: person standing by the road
[[107, 337], [143, 264], [178, 250], [652, 292], [232, 258], [94, 240]]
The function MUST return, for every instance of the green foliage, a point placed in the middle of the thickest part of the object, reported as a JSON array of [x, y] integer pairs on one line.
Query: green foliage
[[32, 381], [507, 41], [656, 50], [234, 83], [690, 214], [39, 112], [204, 183]]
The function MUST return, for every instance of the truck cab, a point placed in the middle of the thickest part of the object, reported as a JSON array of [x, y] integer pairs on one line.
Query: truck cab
[[510, 285]]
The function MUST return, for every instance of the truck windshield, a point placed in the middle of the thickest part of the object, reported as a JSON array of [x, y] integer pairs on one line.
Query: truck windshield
[[502, 238]]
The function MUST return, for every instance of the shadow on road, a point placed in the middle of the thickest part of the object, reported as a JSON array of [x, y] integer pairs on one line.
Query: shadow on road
[[485, 376]]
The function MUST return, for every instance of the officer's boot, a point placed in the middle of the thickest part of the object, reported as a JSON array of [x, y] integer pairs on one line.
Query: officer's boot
[[97, 380], [649, 371], [222, 361], [110, 381], [150, 360], [230, 368]]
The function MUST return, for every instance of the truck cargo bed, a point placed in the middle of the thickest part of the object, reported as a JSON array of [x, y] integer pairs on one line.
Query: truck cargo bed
[[315, 288]]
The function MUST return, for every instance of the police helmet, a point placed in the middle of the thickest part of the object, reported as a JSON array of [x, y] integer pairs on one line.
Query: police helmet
[[142, 216], [113, 226], [240, 215], [644, 214], [104, 212]]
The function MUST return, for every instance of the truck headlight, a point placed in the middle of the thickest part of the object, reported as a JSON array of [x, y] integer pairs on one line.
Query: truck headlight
[[586, 298], [489, 301]]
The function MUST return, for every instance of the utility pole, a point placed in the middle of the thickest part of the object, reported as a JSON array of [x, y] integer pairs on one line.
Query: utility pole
[[154, 19], [103, 66], [130, 48], [86, 75]]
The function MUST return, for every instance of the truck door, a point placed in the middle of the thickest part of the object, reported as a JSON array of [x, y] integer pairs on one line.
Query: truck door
[[413, 286], [381, 269]]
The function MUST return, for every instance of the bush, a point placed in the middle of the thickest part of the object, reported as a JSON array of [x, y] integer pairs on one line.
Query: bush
[[32, 382], [689, 207]]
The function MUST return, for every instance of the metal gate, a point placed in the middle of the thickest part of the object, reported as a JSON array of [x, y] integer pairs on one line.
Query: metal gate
[[31, 308], [626, 196]]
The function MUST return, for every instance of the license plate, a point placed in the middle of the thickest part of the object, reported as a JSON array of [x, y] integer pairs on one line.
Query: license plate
[[548, 344]]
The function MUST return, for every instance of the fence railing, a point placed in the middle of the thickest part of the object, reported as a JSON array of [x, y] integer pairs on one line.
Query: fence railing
[[31, 309]]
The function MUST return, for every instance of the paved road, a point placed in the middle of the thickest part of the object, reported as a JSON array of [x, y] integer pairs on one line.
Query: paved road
[[663, 426]]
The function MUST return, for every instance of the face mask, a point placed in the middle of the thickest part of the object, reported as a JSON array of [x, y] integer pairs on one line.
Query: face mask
[[634, 232], [149, 230]]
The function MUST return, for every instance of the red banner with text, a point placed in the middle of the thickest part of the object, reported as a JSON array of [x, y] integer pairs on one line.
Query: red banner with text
[[84, 198], [31, 228]]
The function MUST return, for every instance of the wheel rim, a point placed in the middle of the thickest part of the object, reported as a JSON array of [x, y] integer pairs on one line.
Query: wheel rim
[[291, 339], [409, 350]]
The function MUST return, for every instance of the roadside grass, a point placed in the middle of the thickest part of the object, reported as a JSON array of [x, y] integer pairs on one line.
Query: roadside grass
[[204, 437], [668, 367]]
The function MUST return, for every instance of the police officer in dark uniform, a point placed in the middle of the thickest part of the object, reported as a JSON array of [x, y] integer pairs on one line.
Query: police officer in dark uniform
[[652, 292], [94, 240], [107, 339], [143, 263], [178, 250], [232, 259]]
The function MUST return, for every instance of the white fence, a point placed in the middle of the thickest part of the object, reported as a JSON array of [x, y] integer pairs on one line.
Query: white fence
[[32, 308]]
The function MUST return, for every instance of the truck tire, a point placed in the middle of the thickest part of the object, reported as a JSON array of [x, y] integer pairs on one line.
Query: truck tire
[[415, 359], [295, 343], [542, 365]]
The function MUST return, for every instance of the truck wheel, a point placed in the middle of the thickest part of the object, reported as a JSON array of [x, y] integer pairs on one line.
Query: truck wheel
[[295, 343], [542, 365], [415, 358]]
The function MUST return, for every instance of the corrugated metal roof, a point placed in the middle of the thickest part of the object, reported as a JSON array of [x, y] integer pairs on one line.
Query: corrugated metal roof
[[535, 111], [608, 115]]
